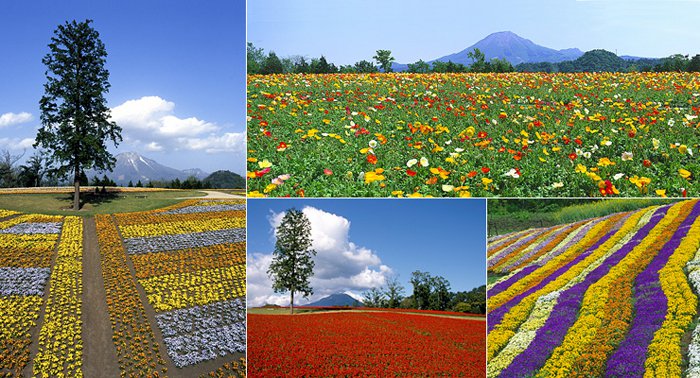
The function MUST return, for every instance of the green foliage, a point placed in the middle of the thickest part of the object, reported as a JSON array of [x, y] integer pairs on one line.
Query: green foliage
[[364, 66], [272, 65], [254, 58], [694, 64], [419, 67], [31, 174], [224, 180], [384, 59], [292, 261], [478, 61], [473, 301], [75, 118], [374, 298]]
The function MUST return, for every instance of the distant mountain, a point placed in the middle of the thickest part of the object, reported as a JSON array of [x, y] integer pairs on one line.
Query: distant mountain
[[224, 180], [339, 299], [131, 166], [509, 46]]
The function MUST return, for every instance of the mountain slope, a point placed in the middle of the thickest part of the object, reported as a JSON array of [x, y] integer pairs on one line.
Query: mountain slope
[[131, 166], [339, 299], [511, 47]]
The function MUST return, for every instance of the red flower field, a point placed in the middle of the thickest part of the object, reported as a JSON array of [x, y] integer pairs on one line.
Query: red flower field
[[365, 344]]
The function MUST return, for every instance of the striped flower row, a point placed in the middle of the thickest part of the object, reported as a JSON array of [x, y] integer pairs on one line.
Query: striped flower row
[[618, 306]]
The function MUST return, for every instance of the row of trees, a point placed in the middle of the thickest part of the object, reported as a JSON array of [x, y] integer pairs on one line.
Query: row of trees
[[429, 293], [270, 63], [292, 267], [606, 61]]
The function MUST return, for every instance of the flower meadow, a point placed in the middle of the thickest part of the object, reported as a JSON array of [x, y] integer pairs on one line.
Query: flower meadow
[[613, 296], [370, 344], [40, 276], [189, 259], [461, 135]]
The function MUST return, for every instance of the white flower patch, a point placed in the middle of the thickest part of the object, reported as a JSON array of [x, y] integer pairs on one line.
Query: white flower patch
[[34, 228], [23, 281], [204, 209], [182, 241]]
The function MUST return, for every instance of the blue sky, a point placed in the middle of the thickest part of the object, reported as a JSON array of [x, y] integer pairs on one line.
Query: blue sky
[[177, 69], [348, 31], [361, 242]]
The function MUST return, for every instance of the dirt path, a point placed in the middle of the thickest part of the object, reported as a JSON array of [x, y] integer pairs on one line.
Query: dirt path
[[99, 353], [213, 194]]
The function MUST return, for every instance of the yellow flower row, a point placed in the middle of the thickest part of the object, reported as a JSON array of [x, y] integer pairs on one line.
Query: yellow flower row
[[130, 219], [136, 347], [552, 265], [526, 333], [183, 227], [500, 335], [188, 260], [60, 339], [7, 213], [29, 218], [664, 354], [175, 291], [544, 305], [592, 315], [18, 315]]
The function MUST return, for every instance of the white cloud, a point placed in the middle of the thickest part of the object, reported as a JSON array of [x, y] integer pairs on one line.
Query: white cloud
[[16, 143], [152, 119], [9, 119], [341, 265], [154, 146]]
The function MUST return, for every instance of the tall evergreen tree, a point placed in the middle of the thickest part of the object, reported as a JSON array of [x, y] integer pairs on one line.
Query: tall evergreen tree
[[292, 261], [75, 118]]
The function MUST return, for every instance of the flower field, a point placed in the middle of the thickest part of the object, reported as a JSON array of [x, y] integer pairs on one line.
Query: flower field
[[460, 135], [613, 296], [189, 260], [369, 344], [32, 259]]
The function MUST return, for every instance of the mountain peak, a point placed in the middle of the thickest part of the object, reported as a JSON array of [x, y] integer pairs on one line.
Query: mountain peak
[[132, 166]]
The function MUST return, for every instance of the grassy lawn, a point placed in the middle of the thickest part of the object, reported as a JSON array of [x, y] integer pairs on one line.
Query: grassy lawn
[[60, 204]]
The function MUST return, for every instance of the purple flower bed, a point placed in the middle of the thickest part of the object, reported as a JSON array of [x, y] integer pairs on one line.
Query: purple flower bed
[[501, 286], [565, 312], [650, 306]]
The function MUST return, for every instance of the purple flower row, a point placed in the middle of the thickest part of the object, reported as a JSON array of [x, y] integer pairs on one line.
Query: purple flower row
[[496, 316], [650, 307], [565, 312]]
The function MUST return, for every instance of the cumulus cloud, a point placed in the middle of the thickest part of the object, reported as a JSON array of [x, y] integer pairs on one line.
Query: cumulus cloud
[[9, 119], [150, 122], [16, 143], [341, 265]]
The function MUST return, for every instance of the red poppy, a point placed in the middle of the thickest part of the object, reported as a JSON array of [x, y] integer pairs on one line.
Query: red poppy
[[485, 169], [371, 158], [410, 172], [471, 174], [482, 134], [327, 172], [573, 156], [646, 163]]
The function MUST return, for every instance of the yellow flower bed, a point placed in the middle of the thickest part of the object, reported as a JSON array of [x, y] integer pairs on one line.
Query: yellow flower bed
[[136, 347], [170, 228], [188, 260], [664, 354], [502, 333], [60, 339], [592, 314], [175, 291]]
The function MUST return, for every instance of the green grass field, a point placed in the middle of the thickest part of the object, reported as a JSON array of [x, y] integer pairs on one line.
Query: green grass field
[[60, 204]]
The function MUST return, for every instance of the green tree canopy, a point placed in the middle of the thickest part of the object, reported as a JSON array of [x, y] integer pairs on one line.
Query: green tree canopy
[[75, 119], [384, 59], [292, 261]]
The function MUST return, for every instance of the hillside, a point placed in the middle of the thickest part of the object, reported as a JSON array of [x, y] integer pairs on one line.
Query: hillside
[[131, 166], [224, 180], [338, 299]]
